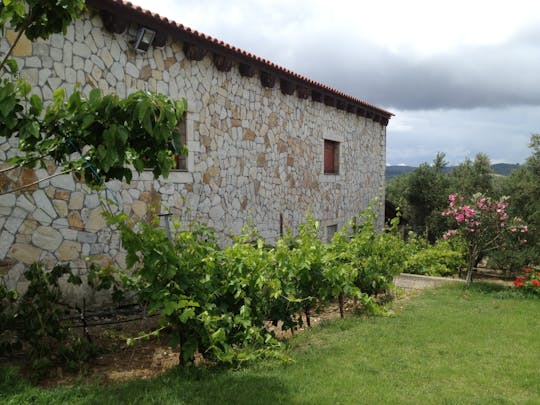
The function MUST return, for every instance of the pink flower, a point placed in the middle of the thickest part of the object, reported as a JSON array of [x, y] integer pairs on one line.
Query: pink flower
[[449, 234]]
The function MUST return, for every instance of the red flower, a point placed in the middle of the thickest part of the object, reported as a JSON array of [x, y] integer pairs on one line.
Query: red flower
[[527, 270], [518, 283], [535, 282], [519, 279]]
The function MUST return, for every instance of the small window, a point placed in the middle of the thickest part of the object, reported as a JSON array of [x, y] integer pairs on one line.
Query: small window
[[180, 159], [330, 231], [331, 157], [177, 148]]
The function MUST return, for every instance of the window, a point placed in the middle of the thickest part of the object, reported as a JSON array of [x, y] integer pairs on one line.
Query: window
[[181, 160], [177, 147], [331, 157], [330, 231]]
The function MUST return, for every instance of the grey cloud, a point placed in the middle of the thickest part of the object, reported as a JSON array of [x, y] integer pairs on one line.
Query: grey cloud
[[298, 37], [494, 76], [503, 133]]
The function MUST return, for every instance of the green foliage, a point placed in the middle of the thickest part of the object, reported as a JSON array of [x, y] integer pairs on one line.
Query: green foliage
[[523, 188], [215, 301], [443, 258], [484, 226], [299, 260], [110, 134], [340, 272], [471, 177], [420, 197], [40, 18], [426, 196], [438, 342], [379, 256], [513, 255], [529, 281], [421, 194], [218, 302], [34, 321]]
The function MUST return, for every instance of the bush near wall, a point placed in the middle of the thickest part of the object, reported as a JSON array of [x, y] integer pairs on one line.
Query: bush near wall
[[443, 258], [218, 302]]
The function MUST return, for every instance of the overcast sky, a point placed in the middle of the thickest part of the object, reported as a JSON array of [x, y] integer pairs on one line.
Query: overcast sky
[[462, 77]]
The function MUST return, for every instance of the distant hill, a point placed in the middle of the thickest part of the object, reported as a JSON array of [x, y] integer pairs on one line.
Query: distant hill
[[502, 169], [394, 171]]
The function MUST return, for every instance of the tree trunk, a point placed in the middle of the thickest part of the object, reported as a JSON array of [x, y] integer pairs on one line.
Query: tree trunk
[[308, 317], [470, 268], [341, 305], [469, 275], [181, 357]]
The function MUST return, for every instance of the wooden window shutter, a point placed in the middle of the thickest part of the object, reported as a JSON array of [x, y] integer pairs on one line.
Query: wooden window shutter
[[331, 157]]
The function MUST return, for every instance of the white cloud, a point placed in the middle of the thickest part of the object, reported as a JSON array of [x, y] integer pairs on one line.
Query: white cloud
[[503, 134]]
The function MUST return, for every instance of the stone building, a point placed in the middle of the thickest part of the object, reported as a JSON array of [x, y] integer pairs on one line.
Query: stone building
[[266, 145]]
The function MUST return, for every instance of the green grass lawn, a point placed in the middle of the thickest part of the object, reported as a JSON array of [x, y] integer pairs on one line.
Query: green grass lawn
[[451, 346]]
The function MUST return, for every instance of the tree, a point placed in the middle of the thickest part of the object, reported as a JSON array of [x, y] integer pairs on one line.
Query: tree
[[523, 187], [484, 225], [472, 177], [111, 135], [425, 196], [439, 163]]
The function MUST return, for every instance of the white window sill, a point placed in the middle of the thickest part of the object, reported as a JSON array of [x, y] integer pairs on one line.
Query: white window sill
[[329, 178]]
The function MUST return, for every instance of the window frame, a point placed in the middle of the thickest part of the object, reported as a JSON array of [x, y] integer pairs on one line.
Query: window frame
[[175, 175], [181, 161], [331, 229], [331, 148]]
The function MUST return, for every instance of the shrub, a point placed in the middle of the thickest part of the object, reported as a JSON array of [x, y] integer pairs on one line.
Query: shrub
[[215, 301], [441, 259], [35, 322], [484, 225], [300, 261], [379, 256], [529, 282]]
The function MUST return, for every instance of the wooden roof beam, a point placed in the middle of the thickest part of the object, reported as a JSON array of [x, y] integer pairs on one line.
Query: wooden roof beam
[[246, 70], [268, 79], [222, 63], [286, 87], [194, 52]]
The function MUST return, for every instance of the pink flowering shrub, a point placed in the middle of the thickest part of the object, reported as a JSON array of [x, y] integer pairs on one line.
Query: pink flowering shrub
[[529, 281], [484, 225]]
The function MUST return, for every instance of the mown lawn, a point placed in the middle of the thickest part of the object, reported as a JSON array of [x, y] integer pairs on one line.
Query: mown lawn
[[451, 345]]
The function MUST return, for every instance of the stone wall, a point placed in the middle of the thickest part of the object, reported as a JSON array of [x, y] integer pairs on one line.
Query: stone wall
[[408, 281], [255, 154]]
